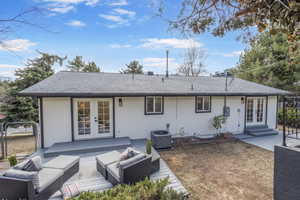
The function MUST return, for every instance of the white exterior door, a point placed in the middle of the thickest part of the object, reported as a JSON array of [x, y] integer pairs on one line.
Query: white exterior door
[[255, 111], [93, 118]]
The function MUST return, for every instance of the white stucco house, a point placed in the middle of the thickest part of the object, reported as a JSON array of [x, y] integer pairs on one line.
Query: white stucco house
[[84, 106]]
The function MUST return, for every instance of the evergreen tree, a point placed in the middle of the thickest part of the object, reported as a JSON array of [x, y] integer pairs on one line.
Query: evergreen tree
[[267, 62], [133, 67], [91, 67], [78, 65], [18, 108]]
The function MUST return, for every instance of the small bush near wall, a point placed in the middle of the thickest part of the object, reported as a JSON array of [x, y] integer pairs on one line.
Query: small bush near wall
[[145, 190], [292, 118]]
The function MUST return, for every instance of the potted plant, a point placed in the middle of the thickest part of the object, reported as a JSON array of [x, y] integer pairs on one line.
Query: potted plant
[[12, 160], [218, 122], [149, 147]]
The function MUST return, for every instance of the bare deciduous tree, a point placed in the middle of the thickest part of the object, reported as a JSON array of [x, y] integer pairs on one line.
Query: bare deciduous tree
[[9, 25], [193, 62]]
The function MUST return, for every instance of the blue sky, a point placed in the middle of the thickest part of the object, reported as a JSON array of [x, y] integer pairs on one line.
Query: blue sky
[[110, 32]]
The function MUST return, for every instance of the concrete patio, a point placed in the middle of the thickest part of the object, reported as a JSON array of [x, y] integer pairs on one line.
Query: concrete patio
[[268, 142]]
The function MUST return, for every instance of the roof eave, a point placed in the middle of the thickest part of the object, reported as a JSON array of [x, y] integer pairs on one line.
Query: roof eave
[[41, 94]]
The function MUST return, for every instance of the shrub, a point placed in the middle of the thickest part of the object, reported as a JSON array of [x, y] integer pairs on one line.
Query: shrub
[[291, 117], [149, 146], [218, 122], [12, 160], [144, 190]]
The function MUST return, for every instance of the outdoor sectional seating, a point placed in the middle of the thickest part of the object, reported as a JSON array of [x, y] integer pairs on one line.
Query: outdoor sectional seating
[[127, 171], [51, 178]]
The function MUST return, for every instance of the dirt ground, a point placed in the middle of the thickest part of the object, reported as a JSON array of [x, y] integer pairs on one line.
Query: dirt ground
[[227, 171]]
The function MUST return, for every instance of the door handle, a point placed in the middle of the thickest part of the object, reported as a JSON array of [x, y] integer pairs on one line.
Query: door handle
[[95, 119]]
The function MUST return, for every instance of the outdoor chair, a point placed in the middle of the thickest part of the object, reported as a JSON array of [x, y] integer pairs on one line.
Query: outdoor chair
[[16, 183], [127, 171]]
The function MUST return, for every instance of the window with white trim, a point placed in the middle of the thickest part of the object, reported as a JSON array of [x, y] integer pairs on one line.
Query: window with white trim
[[154, 105], [203, 104]]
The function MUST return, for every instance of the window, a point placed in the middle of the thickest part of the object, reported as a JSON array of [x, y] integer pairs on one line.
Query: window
[[153, 105], [203, 104], [84, 125], [103, 117]]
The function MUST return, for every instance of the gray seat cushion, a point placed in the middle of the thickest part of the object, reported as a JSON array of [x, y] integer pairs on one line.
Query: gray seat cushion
[[25, 175], [108, 158], [113, 170], [47, 176], [62, 162], [129, 161]]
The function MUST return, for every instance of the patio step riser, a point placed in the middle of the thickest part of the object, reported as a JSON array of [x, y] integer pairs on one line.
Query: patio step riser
[[87, 150], [263, 133], [257, 127], [258, 130]]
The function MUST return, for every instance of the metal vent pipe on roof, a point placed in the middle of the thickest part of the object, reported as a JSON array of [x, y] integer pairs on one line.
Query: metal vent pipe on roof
[[167, 64]]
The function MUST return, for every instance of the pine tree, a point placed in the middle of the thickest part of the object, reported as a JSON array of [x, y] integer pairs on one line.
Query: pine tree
[[267, 62], [18, 108], [78, 65], [133, 68]]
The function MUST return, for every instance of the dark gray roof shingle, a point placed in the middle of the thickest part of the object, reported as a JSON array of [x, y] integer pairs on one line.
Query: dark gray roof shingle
[[115, 84]]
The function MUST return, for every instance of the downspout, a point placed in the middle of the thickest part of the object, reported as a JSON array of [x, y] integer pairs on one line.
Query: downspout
[[225, 98], [284, 122]]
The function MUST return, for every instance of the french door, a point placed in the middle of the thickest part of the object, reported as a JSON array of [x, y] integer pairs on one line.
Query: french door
[[255, 111], [93, 118]]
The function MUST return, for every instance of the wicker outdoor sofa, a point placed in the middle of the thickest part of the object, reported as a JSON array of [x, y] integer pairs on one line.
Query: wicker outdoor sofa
[[51, 177], [127, 171]]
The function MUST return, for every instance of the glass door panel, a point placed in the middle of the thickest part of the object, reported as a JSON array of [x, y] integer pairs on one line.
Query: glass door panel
[[260, 110], [250, 110], [104, 124], [84, 117]]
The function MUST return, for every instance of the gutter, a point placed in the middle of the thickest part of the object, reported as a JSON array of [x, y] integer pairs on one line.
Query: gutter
[[40, 94]]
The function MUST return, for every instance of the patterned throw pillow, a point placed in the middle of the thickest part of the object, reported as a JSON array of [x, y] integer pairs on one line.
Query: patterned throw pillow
[[70, 190], [128, 153], [21, 165], [34, 164]]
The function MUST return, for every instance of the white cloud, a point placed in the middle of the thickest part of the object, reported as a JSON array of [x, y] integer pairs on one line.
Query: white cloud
[[65, 6], [158, 64], [87, 2], [119, 3], [8, 66], [91, 2], [16, 45], [61, 8], [233, 54], [9, 74], [125, 12], [169, 43], [76, 23], [114, 18], [119, 46]]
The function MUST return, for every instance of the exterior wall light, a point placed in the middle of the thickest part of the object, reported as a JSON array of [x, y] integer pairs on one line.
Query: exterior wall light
[[120, 102], [242, 100]]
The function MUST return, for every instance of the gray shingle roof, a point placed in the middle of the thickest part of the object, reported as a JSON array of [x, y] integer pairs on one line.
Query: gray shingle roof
[[115, 84]]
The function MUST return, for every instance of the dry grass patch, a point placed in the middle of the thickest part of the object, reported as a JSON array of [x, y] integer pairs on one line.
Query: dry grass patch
[[231, 171]]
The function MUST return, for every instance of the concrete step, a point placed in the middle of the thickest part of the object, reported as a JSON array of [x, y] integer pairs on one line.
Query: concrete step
[[258, 130], [266, 133], [87, 146], [256, 127]]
